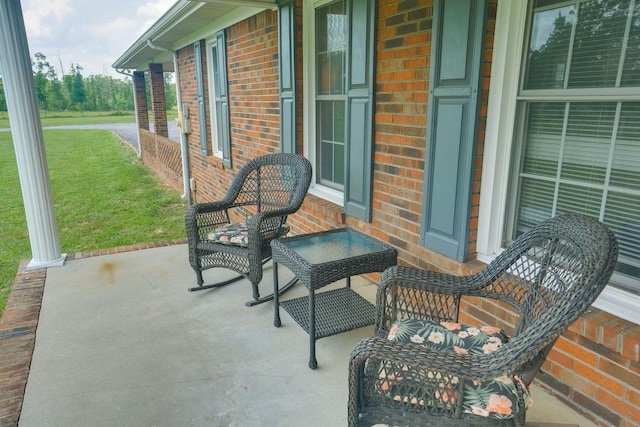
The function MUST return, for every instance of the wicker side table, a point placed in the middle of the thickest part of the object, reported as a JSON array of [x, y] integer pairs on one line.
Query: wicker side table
[[319, 259]]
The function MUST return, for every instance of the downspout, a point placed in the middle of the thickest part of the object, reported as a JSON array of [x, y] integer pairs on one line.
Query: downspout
[[184, 146], [135, 109]]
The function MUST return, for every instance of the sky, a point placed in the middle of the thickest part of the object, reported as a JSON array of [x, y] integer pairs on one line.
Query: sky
[[89, 33]]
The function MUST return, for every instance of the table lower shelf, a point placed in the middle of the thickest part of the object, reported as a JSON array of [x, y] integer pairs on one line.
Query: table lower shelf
[[337, 310]]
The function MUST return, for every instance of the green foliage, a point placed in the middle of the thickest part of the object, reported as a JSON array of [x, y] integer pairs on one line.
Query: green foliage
[[103, 197], [73, 91]]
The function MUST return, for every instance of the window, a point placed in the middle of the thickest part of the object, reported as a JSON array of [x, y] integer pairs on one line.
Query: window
[[330, 52], [338, 71], [214, 89], [219, 98], [577, 132]]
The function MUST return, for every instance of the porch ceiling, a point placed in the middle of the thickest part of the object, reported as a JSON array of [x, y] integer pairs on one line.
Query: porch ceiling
[[179, 24]]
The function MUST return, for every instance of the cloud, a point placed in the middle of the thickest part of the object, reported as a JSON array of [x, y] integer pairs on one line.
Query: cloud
[[42, 16], [118, 26], [151, 11], [92, 33]]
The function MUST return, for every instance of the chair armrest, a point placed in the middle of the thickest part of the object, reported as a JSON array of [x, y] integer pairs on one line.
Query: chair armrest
[[411, 293], [259, 222], [201, 218]]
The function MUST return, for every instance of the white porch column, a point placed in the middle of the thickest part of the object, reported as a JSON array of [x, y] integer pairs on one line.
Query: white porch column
[[28, 142]]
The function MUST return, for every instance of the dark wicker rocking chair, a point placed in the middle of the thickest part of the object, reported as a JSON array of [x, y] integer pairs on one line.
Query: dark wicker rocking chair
[[423, 367], [235, 232]]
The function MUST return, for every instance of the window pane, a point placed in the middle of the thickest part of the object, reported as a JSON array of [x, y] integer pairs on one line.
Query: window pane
[[338, 162], [324, 74], [331, 146], [216, 71], [535, 203], [543, 138], [549, 48], [326, 173], [326, 120], [578, 199], [337, 72], [598, 43], [586, 149], [338, 121], [321, 29], [625, 171], [623, 217], [331, 46], [631, 69]]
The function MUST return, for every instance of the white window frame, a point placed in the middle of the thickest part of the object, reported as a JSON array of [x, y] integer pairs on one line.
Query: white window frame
[[309, 95], [216, 150], [501, 113]]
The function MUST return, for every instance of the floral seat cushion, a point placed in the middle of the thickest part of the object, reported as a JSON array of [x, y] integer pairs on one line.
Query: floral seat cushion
[[498, 398], [230, 234], [237, 234]]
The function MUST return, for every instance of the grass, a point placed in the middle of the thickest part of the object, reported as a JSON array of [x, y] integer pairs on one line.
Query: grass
[[103, 197], [67, 118]]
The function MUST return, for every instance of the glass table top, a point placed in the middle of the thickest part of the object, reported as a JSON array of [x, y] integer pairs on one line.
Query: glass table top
[[332, 246]]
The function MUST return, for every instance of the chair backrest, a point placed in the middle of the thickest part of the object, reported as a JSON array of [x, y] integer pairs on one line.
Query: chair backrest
[[551, 274], [273, 182]]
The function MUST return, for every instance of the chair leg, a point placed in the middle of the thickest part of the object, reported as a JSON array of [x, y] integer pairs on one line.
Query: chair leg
[[199, 278]]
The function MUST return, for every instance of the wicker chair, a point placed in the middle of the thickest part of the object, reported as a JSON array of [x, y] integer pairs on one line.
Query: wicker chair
[[235, 232], [546, 278]]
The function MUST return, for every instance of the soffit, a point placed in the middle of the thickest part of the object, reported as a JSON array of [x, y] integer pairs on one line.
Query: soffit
[[183, 19]]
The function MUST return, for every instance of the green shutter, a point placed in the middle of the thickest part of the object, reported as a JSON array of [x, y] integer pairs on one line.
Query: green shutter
[[286, 46], [222, 101], [360, 76], [202, 111], [457, 41]]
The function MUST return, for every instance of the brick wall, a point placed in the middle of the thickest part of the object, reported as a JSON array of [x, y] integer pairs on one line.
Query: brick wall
[[252, 57]]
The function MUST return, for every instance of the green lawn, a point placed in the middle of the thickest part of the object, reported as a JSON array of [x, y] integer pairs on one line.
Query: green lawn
[[103, 195], [66, 118]]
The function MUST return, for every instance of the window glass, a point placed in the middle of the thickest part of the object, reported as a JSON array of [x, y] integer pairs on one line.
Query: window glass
[[331, 50], [579, 138], [216, 103], [598, 43], [549, 47]]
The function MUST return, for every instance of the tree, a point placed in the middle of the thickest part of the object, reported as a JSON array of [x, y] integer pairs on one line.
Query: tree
[[3, 100], [74, 83], [170, 91]]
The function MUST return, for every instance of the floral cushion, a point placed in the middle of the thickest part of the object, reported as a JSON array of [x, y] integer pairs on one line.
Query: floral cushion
[[230, 234], [498, 398]]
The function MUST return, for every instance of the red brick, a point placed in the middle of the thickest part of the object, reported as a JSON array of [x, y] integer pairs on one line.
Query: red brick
[[597, 377], [618, 405], [631, 344], [578, 352]]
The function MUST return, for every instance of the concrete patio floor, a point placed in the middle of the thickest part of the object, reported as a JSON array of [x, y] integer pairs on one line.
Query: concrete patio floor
[[120, 342]]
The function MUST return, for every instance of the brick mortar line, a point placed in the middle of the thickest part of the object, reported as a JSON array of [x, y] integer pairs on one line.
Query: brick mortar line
[[18, 327]]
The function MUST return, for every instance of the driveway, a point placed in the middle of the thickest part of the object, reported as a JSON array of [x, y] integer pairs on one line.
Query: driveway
[[126, 131]]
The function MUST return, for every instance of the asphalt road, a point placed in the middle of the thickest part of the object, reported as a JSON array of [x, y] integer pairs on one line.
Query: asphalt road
[[126, 131]]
